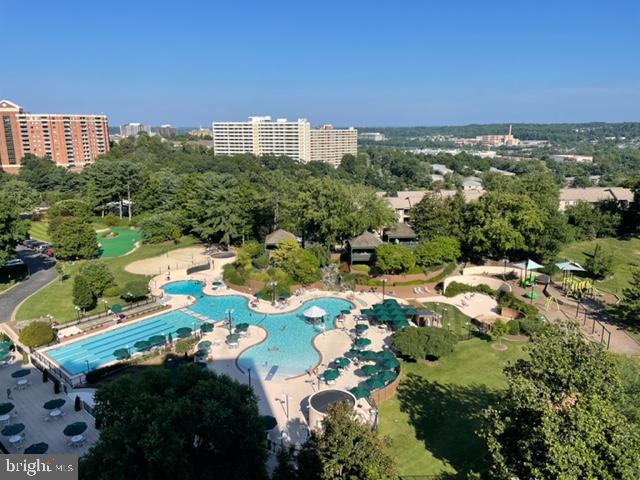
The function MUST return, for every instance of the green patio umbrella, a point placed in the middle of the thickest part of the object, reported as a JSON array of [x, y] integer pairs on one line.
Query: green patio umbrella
[[141, 345], [370, 370], [360, 392], [342, 362], [361, 328], [183, 332], [54, 403], [242, 327], [369, 356], [269, 422], [121, 353], [346, 311], [387, 376], [23, 372], [368, 311], [391, 363], [354, 352], [11, 430], [156, 340], [116, 308], [375, 383], [233, 338], [330, 374], [6, 408], [38, 448], [74, 429], [385, 354], [409, 311], [206, 327], [204, 345], [362, 342], [401, 324]]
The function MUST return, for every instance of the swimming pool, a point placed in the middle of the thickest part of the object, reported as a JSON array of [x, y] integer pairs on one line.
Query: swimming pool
[[286, 352]]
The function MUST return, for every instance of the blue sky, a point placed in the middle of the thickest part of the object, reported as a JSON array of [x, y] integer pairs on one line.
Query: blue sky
[[362, 63]]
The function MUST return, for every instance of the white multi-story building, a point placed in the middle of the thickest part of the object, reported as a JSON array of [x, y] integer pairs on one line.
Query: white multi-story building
[[373, 136], [330, 144], [133, 129], [295, 139]]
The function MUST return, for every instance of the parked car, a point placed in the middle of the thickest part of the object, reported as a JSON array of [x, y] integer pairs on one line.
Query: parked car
[[32, 244], [43, 247], [14, 262]]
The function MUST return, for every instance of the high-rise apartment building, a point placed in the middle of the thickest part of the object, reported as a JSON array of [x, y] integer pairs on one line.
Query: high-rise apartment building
[[330, 144], [166, 130], [133, 129], [68, 140], [296, 139]]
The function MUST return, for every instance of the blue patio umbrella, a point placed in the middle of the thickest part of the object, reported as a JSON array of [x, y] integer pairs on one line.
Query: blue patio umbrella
[[6, 408], [21, 373], [11, 430], [37, 448], [54, 403], [74, 429]]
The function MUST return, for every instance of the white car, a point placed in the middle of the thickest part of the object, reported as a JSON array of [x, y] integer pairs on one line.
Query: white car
[[14, 262]]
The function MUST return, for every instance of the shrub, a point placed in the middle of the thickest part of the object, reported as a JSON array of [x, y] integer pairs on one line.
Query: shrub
[[73, 238], [233, 274], [531, 326], [77, 404], [134, 290], [185, 345], [25, 358], [424, 342], [322, 253], [499, 329], [253, 249], [71, 208], [514, 327], [509, 300], [261, 262], [98, 275], [456, 288], [600, 263], [112, 291], [37, 334], [111, 220], [159, 227], [303, 266], [83, 296]]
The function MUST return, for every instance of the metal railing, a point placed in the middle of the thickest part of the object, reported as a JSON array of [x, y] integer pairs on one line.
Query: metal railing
[[106, 315]]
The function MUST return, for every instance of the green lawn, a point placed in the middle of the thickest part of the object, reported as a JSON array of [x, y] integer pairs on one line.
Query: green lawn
[[122, 243], [626, 256], [57, 298], [432, 421], [39, 231]]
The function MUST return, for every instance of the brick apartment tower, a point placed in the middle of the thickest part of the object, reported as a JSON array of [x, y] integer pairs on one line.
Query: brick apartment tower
[[70, 141]]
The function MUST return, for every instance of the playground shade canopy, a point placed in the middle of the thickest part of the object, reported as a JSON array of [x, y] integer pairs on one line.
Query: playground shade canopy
[[529, 265], [570, 267]]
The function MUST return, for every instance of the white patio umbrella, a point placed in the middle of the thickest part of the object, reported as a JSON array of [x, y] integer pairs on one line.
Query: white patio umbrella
[[314, 312]]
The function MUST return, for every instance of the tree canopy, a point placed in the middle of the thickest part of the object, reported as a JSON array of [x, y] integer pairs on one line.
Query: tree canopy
[[187, 423]]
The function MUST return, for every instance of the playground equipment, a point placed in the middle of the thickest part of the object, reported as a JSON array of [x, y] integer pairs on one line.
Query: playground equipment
[[551, 300]]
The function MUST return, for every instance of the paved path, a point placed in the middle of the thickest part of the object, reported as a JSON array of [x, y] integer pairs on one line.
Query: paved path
[[42, 269]]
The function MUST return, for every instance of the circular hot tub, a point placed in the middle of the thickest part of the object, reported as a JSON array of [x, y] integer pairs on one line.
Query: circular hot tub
[[320, 402], [223, 255]]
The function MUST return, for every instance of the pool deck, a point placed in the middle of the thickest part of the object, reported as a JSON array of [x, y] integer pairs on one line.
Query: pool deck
[[29, 411]]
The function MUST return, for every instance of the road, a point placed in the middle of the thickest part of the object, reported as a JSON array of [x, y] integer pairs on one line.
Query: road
[[42, 271]]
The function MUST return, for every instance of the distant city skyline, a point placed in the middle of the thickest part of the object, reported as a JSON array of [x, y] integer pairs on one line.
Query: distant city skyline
[[346, 63]]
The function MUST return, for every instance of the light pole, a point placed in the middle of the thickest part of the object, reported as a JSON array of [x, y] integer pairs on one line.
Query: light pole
[[77, 311], [504, 273], [384, 282], [87, 362], [106, 305], [249, 370], [468, 330]]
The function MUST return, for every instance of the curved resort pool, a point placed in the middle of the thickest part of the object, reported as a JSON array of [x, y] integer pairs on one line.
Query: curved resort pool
[[286, 352]]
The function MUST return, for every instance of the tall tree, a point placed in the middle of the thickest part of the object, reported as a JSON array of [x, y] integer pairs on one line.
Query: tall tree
[[11, 229], [186, 423], [558, 418], [345, 448]]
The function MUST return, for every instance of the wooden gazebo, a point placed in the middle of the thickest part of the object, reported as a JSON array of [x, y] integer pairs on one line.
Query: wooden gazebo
[[362, 249], [275, 238]]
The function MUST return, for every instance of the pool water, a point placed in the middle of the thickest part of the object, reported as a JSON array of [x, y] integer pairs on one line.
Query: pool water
[[286, 352]]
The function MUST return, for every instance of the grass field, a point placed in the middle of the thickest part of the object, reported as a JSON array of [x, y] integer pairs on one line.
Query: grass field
[[39, 231], [433, 420], [626, 256], [122, 243], [57, 298]]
